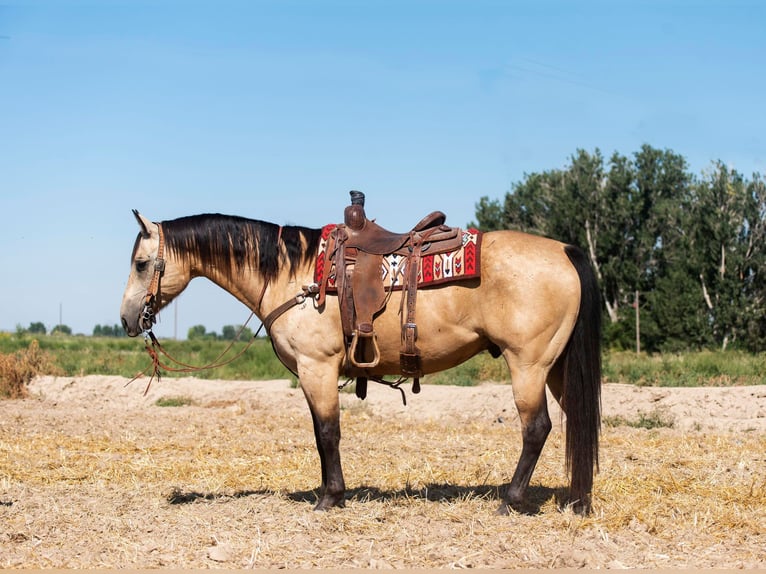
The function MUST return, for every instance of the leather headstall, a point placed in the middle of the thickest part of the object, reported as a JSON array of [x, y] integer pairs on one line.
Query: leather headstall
[[148, 316]]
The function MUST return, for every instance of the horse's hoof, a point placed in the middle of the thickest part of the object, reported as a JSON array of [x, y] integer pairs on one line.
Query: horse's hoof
[[581, 508], [516, 506], [503, 510], [327, 502]]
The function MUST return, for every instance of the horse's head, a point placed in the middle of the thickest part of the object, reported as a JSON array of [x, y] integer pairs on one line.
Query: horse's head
[[154, 279]]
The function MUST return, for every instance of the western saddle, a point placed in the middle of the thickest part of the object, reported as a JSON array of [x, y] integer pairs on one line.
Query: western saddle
[[356, 249]]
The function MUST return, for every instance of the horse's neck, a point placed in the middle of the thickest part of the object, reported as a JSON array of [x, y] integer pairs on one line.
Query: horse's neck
[[251, 288]]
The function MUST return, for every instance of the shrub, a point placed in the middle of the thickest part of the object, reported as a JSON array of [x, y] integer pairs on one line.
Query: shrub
[[17, 369]]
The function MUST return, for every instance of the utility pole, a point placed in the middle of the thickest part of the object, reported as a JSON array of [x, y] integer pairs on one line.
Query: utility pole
[[638, 325]]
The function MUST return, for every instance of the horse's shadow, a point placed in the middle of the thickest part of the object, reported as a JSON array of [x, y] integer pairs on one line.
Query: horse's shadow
[[536, 496]]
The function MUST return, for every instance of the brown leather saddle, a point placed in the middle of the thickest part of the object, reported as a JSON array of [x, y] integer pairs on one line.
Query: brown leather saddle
[[356, 249]]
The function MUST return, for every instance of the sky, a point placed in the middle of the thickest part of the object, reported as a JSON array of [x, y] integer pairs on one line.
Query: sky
[[275, 109]]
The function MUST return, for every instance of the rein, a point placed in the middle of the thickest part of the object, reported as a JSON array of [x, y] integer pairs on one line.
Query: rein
[[155, 349]]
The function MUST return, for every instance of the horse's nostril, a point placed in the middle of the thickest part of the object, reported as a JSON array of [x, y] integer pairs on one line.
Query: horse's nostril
[[124, 323]]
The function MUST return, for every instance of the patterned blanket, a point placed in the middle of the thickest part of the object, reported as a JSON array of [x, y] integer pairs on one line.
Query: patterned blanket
[[435, 269]]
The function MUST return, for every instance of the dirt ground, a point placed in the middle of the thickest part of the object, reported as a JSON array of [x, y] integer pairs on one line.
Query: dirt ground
[[93, 474]]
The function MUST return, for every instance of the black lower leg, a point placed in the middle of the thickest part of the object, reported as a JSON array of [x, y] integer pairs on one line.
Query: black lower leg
[[327, 434], [322, 458], [534, 436]]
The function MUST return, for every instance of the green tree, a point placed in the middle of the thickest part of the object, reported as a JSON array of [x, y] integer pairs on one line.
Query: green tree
[[37, 328], [229, 333], [109, 331], [61, 330], [727, 251], [489, 215], [753, 272], [694, 250], [196, 332], [658, 221]]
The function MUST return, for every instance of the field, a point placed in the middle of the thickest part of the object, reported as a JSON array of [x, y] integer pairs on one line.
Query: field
[[220, 474]]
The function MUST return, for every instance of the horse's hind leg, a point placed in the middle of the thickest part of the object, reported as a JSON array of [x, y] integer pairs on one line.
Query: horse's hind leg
[[529, 395]]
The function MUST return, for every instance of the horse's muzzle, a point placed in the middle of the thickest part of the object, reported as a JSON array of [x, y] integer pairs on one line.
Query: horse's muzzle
[[146, 320], [127, 328]]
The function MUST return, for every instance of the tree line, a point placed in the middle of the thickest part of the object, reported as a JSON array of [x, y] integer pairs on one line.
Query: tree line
[[228, 333], [680, 258], [38, 328], [197, 332]]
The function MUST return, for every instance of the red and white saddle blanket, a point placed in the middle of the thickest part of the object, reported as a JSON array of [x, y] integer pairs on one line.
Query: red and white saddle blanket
[[434, 269]]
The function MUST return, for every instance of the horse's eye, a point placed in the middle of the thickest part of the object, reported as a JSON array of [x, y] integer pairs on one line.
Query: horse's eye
[[141, 266]]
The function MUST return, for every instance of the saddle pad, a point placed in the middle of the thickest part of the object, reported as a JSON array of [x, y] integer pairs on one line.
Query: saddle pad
[[435, 269]]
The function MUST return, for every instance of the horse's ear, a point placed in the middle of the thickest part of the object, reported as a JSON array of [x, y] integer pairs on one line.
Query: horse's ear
[[146, 225]]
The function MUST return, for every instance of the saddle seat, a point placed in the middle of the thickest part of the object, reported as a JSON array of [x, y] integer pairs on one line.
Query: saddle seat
[[367, 235], [356, 249]]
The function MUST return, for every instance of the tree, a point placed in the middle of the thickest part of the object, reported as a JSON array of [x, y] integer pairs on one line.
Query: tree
[[489, 215], [657, 222], [37, 328], [693, 250], [109, 331], [196, 332], [728, 254], [754, 264], [229, 333], [61, 330]]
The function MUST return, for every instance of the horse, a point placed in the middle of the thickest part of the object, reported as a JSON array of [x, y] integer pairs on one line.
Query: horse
[[536, 304]]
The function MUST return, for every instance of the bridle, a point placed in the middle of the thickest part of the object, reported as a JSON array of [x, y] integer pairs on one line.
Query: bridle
[[148, 316]]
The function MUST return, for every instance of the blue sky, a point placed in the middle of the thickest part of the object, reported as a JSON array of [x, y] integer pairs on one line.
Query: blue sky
[[274, 110]]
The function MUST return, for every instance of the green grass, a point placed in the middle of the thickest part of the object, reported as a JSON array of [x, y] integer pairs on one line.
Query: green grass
[[651, 420], [173, 402], [703, 368], [478, 369], [80, 355]]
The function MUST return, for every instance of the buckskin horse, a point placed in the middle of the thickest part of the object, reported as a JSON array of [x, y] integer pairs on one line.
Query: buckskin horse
[[535, 303]]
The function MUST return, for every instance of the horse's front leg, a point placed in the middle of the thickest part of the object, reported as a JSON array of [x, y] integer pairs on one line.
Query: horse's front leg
[[322, 396], [327, 434]]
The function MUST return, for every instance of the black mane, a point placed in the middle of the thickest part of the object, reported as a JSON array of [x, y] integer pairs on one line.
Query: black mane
[[229, 242]]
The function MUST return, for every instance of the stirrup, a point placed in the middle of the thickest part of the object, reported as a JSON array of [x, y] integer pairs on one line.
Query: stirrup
[[375, 350]]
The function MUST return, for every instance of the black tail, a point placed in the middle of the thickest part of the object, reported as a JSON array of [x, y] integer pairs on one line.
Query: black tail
[[581, 398]]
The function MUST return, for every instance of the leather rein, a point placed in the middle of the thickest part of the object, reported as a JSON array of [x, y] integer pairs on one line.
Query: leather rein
[[148, 317]]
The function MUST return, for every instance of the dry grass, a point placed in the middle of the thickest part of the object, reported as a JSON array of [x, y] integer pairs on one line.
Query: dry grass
[[232, 486], [17, 369]]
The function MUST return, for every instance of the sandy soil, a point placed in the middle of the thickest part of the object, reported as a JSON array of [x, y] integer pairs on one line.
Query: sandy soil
[[697, 408], [54, 517]]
